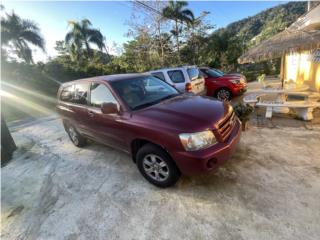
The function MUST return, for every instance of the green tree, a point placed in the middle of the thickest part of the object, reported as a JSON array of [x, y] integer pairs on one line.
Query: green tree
[[197, 32], [18, 33], [79, 38], [177, 11]]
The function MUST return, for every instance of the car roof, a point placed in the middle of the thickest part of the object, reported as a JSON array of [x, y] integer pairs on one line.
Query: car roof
[[172, 68], [109, 78]]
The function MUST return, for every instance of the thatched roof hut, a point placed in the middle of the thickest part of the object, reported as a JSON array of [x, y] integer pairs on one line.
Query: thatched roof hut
[[302, 35], [282, 43], [299, 49]]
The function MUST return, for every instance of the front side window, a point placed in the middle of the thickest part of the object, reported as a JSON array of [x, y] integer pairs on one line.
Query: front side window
[[143, 92], [176, 76], [81, 93], [99, 93], [67, 94]]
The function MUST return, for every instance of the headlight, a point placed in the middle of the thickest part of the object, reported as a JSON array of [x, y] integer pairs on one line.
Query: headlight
[[235, 81], [196, 141]]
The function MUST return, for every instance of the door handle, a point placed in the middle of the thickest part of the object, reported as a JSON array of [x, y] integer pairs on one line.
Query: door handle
[[91, 113]]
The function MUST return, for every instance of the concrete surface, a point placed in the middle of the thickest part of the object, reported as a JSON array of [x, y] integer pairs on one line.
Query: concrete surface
[[270, 189]]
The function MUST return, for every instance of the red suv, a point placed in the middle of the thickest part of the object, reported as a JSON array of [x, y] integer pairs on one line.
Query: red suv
[[167, 133], [223, 86]]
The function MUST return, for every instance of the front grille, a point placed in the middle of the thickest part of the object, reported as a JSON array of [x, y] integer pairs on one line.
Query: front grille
[[225, 126]]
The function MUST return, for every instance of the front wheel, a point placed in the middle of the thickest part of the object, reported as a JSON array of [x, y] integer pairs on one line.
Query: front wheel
[[223, 94], [156, 166], [76, 138]]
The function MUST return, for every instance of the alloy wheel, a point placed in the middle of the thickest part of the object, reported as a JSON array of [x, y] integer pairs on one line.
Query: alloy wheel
[[223, 94], [155, 167], [73, 135]]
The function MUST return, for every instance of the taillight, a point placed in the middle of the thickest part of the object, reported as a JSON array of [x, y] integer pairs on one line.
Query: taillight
[[188, 87]]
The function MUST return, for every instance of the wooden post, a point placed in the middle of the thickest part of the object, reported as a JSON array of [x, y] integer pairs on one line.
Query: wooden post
[[282, 69], [7, 143]]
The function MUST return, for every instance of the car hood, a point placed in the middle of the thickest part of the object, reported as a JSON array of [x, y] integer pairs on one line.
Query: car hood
[[184, 113], [232, 76]]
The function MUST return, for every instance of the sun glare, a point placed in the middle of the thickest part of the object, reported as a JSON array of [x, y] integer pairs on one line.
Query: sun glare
[[23, 104], [30, 92]]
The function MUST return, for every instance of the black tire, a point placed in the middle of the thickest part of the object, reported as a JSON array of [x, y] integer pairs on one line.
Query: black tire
[[76, 138], [172, 172], [223, 94]]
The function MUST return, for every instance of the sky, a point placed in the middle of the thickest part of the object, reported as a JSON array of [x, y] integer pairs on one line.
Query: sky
[[111, 17]]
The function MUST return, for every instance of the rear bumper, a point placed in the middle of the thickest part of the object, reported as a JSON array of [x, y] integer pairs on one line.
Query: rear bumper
[[202, 93], [195, 162]]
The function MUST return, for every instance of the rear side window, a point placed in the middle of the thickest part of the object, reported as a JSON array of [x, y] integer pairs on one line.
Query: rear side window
[[158, 75], [81, 93], [67, 94], [99, 94], [176, 76], [193, 73]]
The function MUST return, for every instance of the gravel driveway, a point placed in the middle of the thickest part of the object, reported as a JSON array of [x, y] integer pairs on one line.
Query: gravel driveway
[[270, 189]]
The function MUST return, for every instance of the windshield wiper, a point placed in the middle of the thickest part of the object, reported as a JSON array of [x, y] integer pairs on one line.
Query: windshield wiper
[[154, 102], [144, 105], [167, 97]]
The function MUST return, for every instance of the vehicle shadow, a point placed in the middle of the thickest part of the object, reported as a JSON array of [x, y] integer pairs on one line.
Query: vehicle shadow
[[221, 181]]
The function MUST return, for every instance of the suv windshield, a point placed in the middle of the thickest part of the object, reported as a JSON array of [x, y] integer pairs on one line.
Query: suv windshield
[[143, 92], [219, 71], [213, 73]]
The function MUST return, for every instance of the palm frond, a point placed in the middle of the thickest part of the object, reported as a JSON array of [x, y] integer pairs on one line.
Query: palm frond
[[95, 37], [188, 15], [68, 38], [29, 25], [33, 38], [23, 51], [85, 23]]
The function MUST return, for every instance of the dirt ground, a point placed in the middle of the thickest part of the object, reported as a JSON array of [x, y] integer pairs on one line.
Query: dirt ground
[[269, 189]]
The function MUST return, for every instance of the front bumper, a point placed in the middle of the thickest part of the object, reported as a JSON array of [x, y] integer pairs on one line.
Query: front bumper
[[205, 160]]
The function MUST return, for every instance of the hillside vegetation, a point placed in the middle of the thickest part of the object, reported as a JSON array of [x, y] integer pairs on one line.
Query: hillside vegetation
[[241, 35], [267, 23]]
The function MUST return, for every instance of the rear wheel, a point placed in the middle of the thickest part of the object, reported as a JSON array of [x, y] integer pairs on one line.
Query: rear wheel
[[76, 138], [156, 166], [223, 94]]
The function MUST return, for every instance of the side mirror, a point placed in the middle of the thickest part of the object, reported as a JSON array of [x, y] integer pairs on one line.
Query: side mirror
[[109, 108]]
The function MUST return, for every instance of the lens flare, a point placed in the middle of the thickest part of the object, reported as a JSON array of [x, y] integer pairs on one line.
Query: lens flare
[[23, 104]]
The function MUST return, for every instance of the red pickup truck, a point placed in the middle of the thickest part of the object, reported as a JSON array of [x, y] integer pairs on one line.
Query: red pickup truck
[[223, 86]]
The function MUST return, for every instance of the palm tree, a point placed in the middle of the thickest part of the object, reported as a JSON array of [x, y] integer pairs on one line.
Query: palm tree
[[81, 35], [18, 33], [179, 14]]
